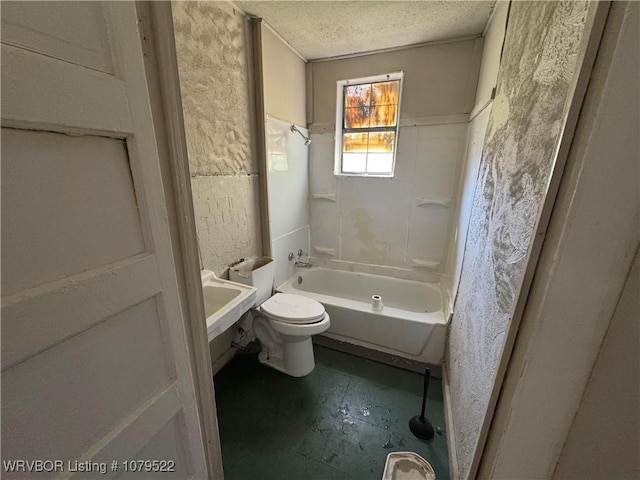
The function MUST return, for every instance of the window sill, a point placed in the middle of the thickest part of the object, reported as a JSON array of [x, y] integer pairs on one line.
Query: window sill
[[365, 175]]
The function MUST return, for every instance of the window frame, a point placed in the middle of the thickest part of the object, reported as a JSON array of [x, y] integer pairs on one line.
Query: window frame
[[339, 127]]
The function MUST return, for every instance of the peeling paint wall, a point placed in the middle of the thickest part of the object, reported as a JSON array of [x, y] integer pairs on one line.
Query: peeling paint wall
[[491, 53], [538, 63], [213, 57], [399, 226]]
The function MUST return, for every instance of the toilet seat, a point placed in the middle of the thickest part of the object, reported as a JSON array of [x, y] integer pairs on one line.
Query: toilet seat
[[293, 309]]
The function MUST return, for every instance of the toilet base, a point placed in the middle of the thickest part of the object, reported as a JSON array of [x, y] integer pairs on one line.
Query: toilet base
[[295, 358]]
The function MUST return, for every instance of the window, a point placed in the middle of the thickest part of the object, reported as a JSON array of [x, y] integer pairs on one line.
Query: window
[[367, 125]]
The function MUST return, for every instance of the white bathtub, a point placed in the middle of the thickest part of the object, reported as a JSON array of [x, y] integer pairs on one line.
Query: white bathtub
[[411, 323]]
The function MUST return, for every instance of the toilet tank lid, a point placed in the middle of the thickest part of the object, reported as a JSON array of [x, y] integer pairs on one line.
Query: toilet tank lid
[[292, 308]]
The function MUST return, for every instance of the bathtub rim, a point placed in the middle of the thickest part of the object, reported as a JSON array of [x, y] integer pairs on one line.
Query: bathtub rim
[[436, 317]]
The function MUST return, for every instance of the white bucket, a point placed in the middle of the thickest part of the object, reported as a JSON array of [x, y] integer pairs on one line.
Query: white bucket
[[407, 466]]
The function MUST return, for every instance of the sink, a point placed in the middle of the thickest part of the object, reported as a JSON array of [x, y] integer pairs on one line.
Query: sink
[[216, 298], [224, 302]]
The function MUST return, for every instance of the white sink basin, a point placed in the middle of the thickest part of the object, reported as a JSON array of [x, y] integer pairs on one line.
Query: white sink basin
[[224, 302]]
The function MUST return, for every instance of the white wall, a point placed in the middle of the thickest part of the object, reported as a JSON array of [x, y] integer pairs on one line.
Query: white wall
[[287, 156], [384, 225], [611, 402], [287, 174]]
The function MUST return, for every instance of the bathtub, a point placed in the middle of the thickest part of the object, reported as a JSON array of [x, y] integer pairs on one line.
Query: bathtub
[[411, 323]]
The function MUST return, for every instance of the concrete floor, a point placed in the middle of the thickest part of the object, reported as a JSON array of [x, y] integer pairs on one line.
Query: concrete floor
[[339, 422]]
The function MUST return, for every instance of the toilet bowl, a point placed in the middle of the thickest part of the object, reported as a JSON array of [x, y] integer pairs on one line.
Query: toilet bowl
[[283, 323]]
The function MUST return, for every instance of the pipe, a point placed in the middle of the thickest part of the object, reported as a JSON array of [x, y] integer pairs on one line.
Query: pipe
[[294, 129]]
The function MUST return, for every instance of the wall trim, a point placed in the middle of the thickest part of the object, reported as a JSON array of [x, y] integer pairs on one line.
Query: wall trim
[[260, 129], [396, 49], [268, 116], [456, 118], [435, 120], [251, 16], [479, 109], [448, 419], [295, 230], [287, 44]]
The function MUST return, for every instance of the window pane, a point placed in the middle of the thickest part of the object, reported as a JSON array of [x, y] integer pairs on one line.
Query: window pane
[[379, 162], [381, 142], [355, 142], [383, 116], [385, 93], [354, 162], [357, 117], [371, 109], [357, 95]]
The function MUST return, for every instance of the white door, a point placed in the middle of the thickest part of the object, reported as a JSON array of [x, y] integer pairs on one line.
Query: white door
[[95, 364]]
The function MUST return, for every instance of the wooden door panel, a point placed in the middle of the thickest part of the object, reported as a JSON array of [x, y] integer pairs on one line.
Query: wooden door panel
[[95, 361], [67, 101], [165, 444], [77, 390], [48, 28], [56, 231], [75, 304]]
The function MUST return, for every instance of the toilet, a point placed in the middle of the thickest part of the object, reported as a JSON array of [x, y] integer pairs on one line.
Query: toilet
[[283, 323]]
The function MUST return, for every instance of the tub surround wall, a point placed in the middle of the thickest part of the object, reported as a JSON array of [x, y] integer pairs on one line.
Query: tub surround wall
[[396, 222], [287, 156], [212, 51], [287, 173], [525, 125], [466, 188], [402, 224], [395, 272]]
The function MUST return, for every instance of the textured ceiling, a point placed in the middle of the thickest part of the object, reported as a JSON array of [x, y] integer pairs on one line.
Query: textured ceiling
[[321, 29]]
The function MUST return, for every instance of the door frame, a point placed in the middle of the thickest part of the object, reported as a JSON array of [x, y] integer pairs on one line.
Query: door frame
[[162, 71]]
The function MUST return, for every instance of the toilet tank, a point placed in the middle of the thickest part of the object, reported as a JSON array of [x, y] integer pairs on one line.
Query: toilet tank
[[258, 272]]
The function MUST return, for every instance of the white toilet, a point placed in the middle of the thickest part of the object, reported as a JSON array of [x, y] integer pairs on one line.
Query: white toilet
[[283, 323]]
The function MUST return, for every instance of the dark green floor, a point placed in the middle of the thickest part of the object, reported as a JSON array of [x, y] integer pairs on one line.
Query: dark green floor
[[339, 422]]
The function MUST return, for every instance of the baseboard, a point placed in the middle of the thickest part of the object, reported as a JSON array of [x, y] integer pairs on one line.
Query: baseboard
[[448, 418], [222, 360], [376, 356]]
